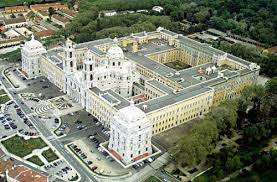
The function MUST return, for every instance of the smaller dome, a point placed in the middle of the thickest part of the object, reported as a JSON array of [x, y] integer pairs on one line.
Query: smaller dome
[[115, 52], [33, 44], [131, 114]]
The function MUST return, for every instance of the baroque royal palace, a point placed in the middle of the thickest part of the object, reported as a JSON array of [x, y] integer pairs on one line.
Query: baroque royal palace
[[130, 85]]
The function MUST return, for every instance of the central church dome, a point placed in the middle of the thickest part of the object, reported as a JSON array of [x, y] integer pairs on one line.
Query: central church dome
[[115, 52]]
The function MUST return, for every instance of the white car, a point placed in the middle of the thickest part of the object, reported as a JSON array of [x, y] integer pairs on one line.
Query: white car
[[150, 159]]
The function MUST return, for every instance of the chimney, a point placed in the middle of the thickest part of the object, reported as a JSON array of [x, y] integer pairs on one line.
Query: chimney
[[144, 107]]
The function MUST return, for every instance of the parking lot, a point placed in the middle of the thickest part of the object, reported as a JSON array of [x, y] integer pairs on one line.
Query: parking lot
[[97, 160], [61, 169], [81, 124], [42, 87], [13, 120]]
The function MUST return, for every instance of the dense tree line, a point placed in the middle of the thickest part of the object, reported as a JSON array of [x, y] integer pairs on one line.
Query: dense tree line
[[194, 147], [253, 115], [120, 5], [250, 18], [88, 26]]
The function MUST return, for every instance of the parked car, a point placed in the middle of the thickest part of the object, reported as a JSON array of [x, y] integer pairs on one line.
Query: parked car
[[93, 168], [13, 126], [7, 127]]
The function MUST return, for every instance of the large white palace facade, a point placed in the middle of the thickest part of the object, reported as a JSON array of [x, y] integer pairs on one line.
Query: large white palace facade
[[126, 83]]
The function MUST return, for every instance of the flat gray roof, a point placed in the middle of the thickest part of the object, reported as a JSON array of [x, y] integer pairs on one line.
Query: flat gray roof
[[173, 98], [112, 97]]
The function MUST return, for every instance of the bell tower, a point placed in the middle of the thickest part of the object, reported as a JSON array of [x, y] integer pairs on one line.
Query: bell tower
[[70, 60]]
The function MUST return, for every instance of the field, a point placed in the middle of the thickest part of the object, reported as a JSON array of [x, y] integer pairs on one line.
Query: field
[[49, 155], [177, 65], [4, 99], [152, 179], [35, 159], [20, 147]]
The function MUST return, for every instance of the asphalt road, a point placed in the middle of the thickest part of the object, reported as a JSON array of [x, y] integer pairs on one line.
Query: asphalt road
[[84, 174]]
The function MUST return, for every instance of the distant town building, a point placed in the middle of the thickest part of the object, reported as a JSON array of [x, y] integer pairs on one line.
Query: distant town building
[[142, 11], [11, 42], [29, 15], [216, 32], [76, 7], [44, 33], [158, 9], [60, 20], [107, 13], [43, 14], [45, 7], [15, 22], [24, 174], [69, 14], [15, 9]]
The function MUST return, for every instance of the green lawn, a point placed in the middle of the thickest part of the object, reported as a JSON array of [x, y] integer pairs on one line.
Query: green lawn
[[49, 155], [12, 56], [152, 179], [177, 65], [4, 99], [35, 159], [20, 147]]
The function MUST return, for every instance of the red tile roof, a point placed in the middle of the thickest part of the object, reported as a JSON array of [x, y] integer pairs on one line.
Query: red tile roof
[[48, 5], [14, 20], [24, 174], [45, 33], [16, 8], [70, 13], [60, 18], [6, 165]]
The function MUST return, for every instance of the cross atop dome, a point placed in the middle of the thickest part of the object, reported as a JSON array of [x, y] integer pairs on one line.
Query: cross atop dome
[[115, 41], [32, 37], [132, 103]]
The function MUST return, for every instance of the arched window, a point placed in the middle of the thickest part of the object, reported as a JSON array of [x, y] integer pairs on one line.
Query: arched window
[[71, 63]]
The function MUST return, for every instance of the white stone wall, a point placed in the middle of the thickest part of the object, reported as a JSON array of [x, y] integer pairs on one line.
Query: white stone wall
[[31, 54], [130, 134]]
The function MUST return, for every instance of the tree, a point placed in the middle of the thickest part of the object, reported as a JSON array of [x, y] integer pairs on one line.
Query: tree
[[233, 163], [194, 148], [271, 86], [225, 115], [202, 16], [51, 11], [191, 151]]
